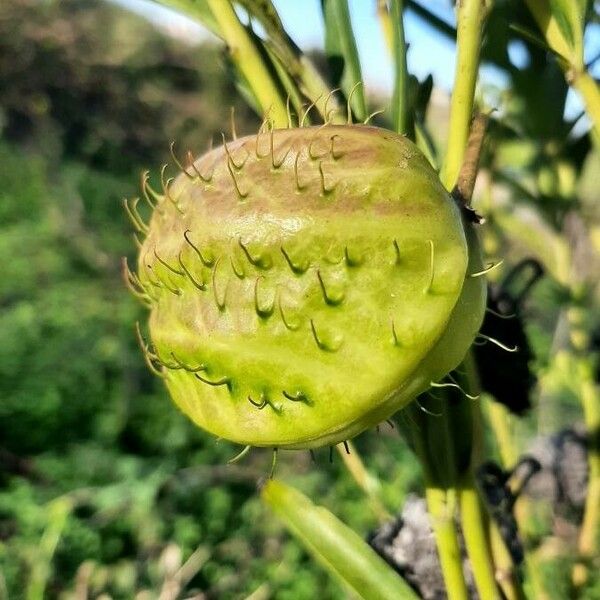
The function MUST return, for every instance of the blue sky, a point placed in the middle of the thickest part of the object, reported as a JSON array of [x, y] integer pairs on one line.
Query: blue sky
[[428, 51]]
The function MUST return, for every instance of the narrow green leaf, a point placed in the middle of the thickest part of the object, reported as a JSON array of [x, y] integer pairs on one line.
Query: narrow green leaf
[[562, 15], [265, 12], [562, 22], [339, 549], [532, 36], [246, 54], [287, 82], [570, 17], [195, 9], [301, 72], [342, 54], [400, 109]]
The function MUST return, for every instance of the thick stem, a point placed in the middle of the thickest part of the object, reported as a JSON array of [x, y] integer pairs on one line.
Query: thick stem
[[474, 520], [441, 505], [589, 533], [471, 15], [249, 62], [474, 531]]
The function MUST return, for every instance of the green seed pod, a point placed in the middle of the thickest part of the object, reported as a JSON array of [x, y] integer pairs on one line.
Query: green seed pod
[[305, 284]]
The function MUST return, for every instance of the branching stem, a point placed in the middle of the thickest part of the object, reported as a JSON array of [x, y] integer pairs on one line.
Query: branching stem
[[471, 15]]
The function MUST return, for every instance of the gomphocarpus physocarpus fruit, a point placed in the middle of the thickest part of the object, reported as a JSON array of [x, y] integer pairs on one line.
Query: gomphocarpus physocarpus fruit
[[304, 284]]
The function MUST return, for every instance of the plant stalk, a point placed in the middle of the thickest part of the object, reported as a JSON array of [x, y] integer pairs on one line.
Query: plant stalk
[[474, 519], [473, 522], [506, 574], [471, 16], [589, 533], [431, 441], [441, 505], [400, 115], [249, 62], [340, 42], [500, 423]]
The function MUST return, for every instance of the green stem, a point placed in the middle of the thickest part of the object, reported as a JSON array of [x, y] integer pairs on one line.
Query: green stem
[[249, 62], [507, 575], [471, 15], [502, 426], [590, 529], [441, 505], [476, 541], [313, 86], [500, 423], [474, 520], [400, 95], [438, 469]]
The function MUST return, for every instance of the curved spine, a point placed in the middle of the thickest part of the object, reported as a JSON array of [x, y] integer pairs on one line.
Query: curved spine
[[200, 286], [263, 313], [205, 261], [263, 261], [296, 269], [215, 383], [329, 300], [220, 303]]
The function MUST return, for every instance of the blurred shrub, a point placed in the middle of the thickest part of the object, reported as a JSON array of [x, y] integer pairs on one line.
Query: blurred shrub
[[82, 78]]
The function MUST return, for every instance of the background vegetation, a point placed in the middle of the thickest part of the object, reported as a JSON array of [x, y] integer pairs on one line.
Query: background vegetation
[[106, 491]]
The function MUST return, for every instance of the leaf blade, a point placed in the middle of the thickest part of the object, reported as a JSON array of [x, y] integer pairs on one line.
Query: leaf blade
[[342, 54], [339, 549]]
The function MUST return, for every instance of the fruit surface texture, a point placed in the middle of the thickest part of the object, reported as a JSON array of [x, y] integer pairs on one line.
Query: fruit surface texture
[[305, 284]]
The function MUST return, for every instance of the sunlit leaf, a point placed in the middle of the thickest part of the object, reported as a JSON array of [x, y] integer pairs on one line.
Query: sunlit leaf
[[196, 9], [339, 549], [342, 54]]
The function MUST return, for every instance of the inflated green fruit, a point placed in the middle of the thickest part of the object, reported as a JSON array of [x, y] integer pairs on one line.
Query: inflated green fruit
[[307, 283]]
